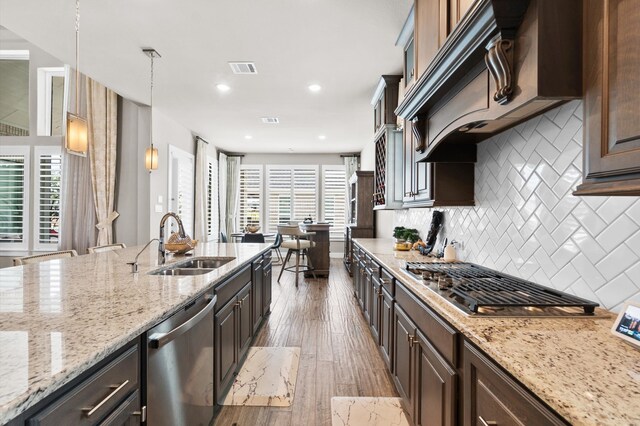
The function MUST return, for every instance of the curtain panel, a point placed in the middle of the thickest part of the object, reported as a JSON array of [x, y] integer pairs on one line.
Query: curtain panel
[[77, 212], [233, 193], [222, 197], [200, 231], [102, 118]]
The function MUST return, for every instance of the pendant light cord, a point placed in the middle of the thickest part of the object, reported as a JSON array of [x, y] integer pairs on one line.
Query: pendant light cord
[[77, 57], [151, 55]]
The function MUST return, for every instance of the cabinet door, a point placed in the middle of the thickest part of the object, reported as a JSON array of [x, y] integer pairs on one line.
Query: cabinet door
[[491, 397], [367, 292], [266, 288], [257, 289], [409, 165], [423, 181], [245, 327], [457, 9], [612, 97], [431, 25], [435, 386], [376, 303], [386, 328], [403, 356], [226, 347]]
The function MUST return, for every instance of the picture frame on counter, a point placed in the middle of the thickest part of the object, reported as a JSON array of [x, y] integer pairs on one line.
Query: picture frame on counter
[[627, 325]]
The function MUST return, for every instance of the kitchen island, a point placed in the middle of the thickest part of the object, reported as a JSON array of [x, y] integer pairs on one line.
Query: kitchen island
[[574, 366], [60, 318]]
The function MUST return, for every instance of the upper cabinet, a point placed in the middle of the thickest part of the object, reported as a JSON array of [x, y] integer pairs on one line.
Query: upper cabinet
[[487, 65], [612, 98]]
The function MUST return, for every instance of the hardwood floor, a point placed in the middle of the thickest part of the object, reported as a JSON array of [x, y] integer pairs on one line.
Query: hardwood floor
[[338, 354]]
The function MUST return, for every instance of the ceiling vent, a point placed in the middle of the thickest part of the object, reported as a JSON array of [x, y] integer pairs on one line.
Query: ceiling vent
[[270, 120], [243, 67]]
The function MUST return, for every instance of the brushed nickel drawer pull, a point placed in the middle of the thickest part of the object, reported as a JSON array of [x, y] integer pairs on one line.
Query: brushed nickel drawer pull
[[89, 411], [487, 422], [142, 413]]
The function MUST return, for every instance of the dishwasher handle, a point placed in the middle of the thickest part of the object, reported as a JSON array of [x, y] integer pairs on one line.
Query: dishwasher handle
[[158, 340]]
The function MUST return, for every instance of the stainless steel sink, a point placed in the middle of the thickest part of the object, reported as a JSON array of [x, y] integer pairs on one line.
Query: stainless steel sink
[[206, 262], [195, 266], [181, 271]]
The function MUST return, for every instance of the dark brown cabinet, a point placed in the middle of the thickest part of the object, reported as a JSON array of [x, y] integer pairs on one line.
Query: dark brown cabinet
[[245, 326], [376, 305], [612, 98], [267, 273], [430, 31], [257, 287], [492, 397], [386, 327], [361, 223], [404, 356], [435, 388], [110, 396], [434, 184]]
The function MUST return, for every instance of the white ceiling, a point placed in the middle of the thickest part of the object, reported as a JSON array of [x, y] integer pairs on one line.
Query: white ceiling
[[343, 45]]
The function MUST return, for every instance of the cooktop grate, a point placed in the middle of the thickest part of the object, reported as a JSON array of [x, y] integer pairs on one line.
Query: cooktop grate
[[484, 288]]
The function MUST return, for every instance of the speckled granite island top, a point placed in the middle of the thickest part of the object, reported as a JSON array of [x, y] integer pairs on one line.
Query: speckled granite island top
[[59, 318], [575, 365]]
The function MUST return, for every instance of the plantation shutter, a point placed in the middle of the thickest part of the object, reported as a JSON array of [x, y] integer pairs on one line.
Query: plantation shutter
[[279, 198], [48, 164], [334, 199], [305, 193], [250, 195], [14, 185]]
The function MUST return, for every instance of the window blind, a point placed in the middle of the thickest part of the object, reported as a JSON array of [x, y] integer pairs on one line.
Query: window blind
[[334, 199], [250, 196], [14, 183], [292, 194], [212, 200], [47, 210]]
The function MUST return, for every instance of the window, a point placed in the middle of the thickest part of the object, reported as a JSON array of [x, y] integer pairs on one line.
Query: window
[[14, 197], [292, 194], [48, 163], [181, 187], [250, 196], [14, 92], [213, 227], [334, 199], [50, 101]]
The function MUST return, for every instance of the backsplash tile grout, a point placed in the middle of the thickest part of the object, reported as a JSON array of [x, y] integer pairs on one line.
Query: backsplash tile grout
[[527, 223]]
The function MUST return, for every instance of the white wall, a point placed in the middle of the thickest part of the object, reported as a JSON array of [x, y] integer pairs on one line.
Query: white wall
[[527, 223]]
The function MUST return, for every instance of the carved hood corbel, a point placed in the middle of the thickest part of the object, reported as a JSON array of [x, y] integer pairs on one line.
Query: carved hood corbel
[[499, 60]]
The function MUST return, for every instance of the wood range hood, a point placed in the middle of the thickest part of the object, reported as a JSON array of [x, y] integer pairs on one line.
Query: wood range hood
[[503, 63]]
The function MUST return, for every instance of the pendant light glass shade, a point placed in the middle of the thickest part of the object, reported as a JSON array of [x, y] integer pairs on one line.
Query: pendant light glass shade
[[151, 158], [76, 141]]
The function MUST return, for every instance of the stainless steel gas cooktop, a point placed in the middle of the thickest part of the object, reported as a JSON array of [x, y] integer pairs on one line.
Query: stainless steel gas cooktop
[[479, 291]]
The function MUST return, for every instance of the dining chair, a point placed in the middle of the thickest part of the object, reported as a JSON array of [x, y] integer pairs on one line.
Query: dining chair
[[276, 246], [108, 247], [223, 237], [300, 244], [251, 237], [43, 257]]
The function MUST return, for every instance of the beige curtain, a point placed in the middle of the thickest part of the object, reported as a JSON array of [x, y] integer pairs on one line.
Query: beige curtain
[[102, 117], [77, 213]]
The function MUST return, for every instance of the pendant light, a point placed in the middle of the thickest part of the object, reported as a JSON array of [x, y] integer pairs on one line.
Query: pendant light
[[151, 154], [76, 141]]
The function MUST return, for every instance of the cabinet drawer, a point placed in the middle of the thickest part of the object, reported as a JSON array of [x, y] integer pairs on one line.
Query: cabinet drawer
[[124, 414], [232, 286], [492, 397], [440, 334], [388, 281], [266, 257], [97, 396]]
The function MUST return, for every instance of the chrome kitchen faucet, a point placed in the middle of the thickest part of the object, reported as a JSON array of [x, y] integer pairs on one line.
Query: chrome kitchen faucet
[[162, 254]]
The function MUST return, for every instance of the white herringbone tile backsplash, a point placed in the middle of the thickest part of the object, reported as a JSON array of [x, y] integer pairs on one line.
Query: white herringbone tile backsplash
[[527, 223]]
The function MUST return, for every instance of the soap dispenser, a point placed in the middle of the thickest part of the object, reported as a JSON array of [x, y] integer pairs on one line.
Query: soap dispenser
[[450, 252]]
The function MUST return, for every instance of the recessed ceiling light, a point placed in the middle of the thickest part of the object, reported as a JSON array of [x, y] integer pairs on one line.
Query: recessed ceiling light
[[270, 120], [315, 87], [322, 137], [248, 137], [223, 87]]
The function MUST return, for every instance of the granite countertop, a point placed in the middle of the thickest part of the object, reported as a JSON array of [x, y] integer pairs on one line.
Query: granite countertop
[[59, 318], [575, 365]]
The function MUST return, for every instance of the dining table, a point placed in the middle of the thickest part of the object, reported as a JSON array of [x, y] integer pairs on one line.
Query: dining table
[[239, 235]]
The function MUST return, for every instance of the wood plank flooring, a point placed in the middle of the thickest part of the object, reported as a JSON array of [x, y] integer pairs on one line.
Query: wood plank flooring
[[338, 354]]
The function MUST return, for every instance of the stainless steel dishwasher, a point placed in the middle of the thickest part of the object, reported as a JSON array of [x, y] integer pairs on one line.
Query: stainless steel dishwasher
[[180, 367]]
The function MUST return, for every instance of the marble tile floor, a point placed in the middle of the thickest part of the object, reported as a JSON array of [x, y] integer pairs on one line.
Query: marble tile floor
[[267, 378], [353, 411]]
